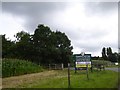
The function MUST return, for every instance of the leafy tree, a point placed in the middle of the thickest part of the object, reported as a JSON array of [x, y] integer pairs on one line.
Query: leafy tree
[[23, 45], [107, 54], [63, 44], [109, 51], [7, 45], [104, 56], [44, 46], [51, 47], [41, 43], [113, 57]]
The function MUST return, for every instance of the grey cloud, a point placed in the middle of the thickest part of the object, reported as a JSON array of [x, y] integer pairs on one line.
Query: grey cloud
[[92, 47], [34, 12], [83, 35], [100, 8], [31, 7], [43, 12], [88, 46]]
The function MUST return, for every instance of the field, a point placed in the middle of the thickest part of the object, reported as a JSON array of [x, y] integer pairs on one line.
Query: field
[[24, 74], [59, 79], [15, 67]]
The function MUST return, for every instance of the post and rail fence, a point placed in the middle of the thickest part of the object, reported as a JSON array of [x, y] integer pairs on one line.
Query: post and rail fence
[[54, 66]]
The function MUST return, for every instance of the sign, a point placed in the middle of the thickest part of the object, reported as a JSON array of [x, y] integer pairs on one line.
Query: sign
[[83, 61]]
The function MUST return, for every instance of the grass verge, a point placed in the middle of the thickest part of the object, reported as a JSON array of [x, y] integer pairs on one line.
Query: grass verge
[[59, 79]]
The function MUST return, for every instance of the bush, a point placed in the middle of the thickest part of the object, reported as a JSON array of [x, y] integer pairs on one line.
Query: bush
[[13, 67]]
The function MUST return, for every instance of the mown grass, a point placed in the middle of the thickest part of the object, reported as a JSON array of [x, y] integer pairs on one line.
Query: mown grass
[[15, 67], [97, 79]]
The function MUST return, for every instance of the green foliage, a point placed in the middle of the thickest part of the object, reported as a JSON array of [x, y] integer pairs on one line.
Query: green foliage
[[44, 46], [108, 55], [7, 47], [104, 56], [51, 47], [12, 67], [109, 51]]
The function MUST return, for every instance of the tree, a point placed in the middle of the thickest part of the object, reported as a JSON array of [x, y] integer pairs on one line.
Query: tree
[[104, 56], [7, 46], [41, 43], [63, 44], [107, 54], [23, 45], [51, 47], [109, 51], [113, 57], [44, 46]]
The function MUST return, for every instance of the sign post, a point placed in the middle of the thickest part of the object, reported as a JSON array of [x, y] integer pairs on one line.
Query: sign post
[[87, 71], [82, 53], [81, 61]]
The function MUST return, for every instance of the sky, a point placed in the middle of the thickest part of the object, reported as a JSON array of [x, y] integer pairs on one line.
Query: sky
[[89, 25]]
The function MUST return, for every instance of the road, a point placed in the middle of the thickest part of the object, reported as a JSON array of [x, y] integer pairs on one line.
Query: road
[[113, 69]]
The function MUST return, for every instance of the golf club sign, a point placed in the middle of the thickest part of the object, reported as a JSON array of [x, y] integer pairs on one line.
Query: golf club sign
[[82, 60]]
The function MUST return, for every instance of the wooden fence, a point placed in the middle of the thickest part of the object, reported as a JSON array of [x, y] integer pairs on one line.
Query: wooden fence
[[54, 66]]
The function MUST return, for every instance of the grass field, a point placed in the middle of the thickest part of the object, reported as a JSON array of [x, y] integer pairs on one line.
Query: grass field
[[59, 79]]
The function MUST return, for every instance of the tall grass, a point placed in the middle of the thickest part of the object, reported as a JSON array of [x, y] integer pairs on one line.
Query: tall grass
[[13, 67]]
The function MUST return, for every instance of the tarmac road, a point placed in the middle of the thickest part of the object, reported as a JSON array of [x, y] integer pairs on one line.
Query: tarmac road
[[113, 69]]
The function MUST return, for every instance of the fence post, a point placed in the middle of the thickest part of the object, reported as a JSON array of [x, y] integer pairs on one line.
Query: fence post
[[62, 66], [55, 66], [49, 67], [68, 75]]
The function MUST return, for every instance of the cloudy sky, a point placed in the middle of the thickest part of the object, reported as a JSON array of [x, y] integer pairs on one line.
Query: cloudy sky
[[89, 25]]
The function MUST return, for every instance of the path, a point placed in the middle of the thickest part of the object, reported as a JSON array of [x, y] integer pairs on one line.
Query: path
[[15, 81]]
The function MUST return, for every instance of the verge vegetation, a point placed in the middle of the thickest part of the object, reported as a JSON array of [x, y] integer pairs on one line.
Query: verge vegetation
[[59, 79], [13, 67]]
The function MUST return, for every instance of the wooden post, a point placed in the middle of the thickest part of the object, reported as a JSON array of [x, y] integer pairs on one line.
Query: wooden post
[[75, 67], [87, 71], [13, 71], [62, 66], [91, 68], [68, 75], [49, 67], [55, 66]]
